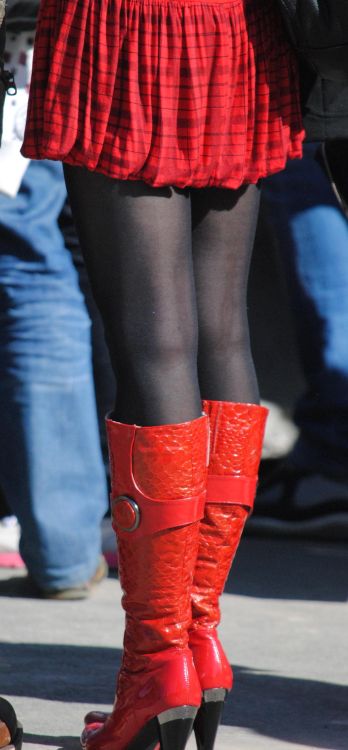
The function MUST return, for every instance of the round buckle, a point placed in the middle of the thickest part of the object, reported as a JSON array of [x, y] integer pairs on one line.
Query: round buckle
[[125, 513]]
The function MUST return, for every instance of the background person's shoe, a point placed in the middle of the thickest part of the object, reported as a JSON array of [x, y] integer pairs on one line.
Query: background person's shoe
[[9, 543], [280, 433], [300, 504], [81, 591]]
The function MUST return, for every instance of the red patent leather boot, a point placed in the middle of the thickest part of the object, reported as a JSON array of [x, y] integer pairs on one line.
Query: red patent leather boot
[[158, 495], [236, 436]]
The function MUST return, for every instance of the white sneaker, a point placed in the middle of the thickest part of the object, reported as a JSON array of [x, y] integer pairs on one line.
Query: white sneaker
[[9, 543]]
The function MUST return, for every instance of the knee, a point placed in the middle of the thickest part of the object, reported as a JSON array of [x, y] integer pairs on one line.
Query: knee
[[224, 345], [143, 355]]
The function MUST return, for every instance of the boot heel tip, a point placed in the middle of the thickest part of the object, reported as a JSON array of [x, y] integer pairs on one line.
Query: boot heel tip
[[215, 695], [180, 712]]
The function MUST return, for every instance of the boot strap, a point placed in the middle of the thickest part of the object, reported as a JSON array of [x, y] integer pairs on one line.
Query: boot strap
[[234, 490], [141, 515]]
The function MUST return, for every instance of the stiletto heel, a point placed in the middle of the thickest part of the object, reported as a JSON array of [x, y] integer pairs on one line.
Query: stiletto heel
[[208, 718], [170, 730], [175, 727]]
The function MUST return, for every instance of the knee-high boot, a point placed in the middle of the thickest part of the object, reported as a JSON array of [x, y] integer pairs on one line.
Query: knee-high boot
[[158, 495], [236, 436]]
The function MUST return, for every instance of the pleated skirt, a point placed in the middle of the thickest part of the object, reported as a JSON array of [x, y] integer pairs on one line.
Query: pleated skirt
[[171, 92]]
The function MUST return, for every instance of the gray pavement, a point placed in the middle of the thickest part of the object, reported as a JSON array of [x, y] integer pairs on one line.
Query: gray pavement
[[285, 625]]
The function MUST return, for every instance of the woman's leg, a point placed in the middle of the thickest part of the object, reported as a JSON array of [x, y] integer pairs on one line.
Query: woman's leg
[[136, 242], [224, 223], [223, 233], [137, 245]]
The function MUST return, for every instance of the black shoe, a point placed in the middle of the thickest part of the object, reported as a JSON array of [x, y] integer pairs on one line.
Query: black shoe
[[301, 504]]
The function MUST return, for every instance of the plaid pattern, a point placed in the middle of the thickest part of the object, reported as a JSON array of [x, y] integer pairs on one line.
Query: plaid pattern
[[172, 92]]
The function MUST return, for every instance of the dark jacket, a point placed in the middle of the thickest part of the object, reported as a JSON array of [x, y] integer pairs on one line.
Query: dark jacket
[[319, 33], [324, 106]]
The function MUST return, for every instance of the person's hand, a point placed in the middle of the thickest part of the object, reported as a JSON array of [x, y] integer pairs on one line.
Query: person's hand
[[11, 731]]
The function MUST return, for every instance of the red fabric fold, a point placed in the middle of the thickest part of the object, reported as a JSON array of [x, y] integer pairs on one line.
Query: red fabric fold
[[169, 92]]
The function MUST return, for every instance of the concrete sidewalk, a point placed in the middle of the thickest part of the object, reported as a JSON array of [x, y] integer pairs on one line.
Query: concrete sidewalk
[[285, 627]]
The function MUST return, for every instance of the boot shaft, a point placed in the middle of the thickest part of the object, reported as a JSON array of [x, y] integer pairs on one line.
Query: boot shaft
[[236, 439], [236, 435], [163, 472], [158, 492]]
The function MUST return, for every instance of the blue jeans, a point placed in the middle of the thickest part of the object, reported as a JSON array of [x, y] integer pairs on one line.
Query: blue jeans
[[51, 468], [312, 236]]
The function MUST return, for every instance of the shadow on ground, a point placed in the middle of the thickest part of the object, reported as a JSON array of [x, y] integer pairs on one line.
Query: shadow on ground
[[266, 568], [72, 674], [22, 587], [307, 712], [290, 569], [64, 743]]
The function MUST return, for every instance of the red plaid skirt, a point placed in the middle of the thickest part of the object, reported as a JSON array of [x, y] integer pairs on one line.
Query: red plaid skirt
[[172, 92]]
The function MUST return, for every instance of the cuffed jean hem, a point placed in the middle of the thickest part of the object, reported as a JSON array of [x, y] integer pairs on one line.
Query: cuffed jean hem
[[58, 579]]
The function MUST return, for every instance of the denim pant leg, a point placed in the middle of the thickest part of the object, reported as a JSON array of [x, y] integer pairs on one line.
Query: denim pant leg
[[312, 235], [51, 467]]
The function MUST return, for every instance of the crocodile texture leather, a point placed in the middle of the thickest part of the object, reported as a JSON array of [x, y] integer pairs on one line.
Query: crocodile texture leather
[[236, 435], [166, 461], [156, 572], [142, 455]]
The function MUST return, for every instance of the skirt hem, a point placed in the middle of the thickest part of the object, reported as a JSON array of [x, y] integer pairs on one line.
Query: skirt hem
[[179, 182]]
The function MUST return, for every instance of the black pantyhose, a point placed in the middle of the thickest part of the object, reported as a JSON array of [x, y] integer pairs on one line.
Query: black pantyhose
[[224, 224], [143, 261]]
